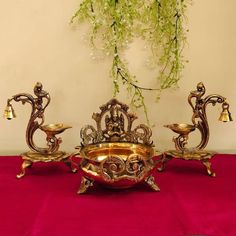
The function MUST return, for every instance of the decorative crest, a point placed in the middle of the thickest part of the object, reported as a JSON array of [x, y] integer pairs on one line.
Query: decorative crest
[[114, 124]]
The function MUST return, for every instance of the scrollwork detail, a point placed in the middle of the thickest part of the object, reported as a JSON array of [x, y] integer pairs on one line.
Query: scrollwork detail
[[118, 121], [114, 168], [143, 136], [89, 137]]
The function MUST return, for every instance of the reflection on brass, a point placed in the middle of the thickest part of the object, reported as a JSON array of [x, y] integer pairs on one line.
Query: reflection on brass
[[36, 121], [183, 129], [198, 104], [53, 129], [114, 154]]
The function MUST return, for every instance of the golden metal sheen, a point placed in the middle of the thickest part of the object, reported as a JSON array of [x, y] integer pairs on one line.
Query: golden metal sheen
[[198, 104], [113, 154], [36, 121]]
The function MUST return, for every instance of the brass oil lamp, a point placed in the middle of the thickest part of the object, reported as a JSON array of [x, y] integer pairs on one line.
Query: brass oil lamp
[[113, 154], [36, 122], [198, 104]]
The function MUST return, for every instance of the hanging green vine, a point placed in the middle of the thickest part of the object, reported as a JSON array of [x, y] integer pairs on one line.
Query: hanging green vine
[[166, 35], [115, 23]]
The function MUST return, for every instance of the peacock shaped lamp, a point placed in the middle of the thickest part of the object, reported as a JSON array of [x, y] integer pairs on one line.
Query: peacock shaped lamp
[[198, 104], [51, 152]]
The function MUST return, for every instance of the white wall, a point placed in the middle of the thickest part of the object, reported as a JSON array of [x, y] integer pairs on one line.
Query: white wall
[[38, 44]]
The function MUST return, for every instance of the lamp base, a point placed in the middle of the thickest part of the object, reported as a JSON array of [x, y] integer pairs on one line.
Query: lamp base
[[199, 155], [32, 157]]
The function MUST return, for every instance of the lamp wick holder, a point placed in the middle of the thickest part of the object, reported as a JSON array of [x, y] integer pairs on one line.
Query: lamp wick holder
[[114, 153], [51, 152], [198, 103]]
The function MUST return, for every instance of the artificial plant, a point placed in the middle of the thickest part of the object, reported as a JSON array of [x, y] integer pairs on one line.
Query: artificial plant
[[115, 23]]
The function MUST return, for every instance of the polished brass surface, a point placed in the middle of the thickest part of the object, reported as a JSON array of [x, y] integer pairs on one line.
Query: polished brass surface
[[114, 154], [183, 129], [36, 121], [110, 162], [53, 129], [99, 152], [198, 104]]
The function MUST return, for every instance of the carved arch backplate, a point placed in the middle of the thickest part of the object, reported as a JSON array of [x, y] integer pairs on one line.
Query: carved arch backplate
[[114, 124]]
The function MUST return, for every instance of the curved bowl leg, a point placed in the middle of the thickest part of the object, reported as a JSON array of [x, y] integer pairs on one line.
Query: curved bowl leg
[[207, 164], [150, 181], [25, 164], [84, 185]]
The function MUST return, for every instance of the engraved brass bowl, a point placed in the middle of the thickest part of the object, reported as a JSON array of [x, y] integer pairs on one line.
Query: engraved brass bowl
[[114, 153], [53, 129], [117, 164], [183, 129]]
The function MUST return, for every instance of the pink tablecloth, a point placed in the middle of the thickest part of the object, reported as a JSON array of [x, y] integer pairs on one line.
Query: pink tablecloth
[[45, 203]]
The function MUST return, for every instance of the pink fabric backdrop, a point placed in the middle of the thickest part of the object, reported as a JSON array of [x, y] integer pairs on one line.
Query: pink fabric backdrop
[[45, 203]]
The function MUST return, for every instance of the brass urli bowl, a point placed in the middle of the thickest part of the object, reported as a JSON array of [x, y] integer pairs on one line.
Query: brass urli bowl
[[117, 164]]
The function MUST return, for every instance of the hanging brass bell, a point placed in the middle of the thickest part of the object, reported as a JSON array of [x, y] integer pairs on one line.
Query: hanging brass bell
[[9, 112], [225, 115]]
